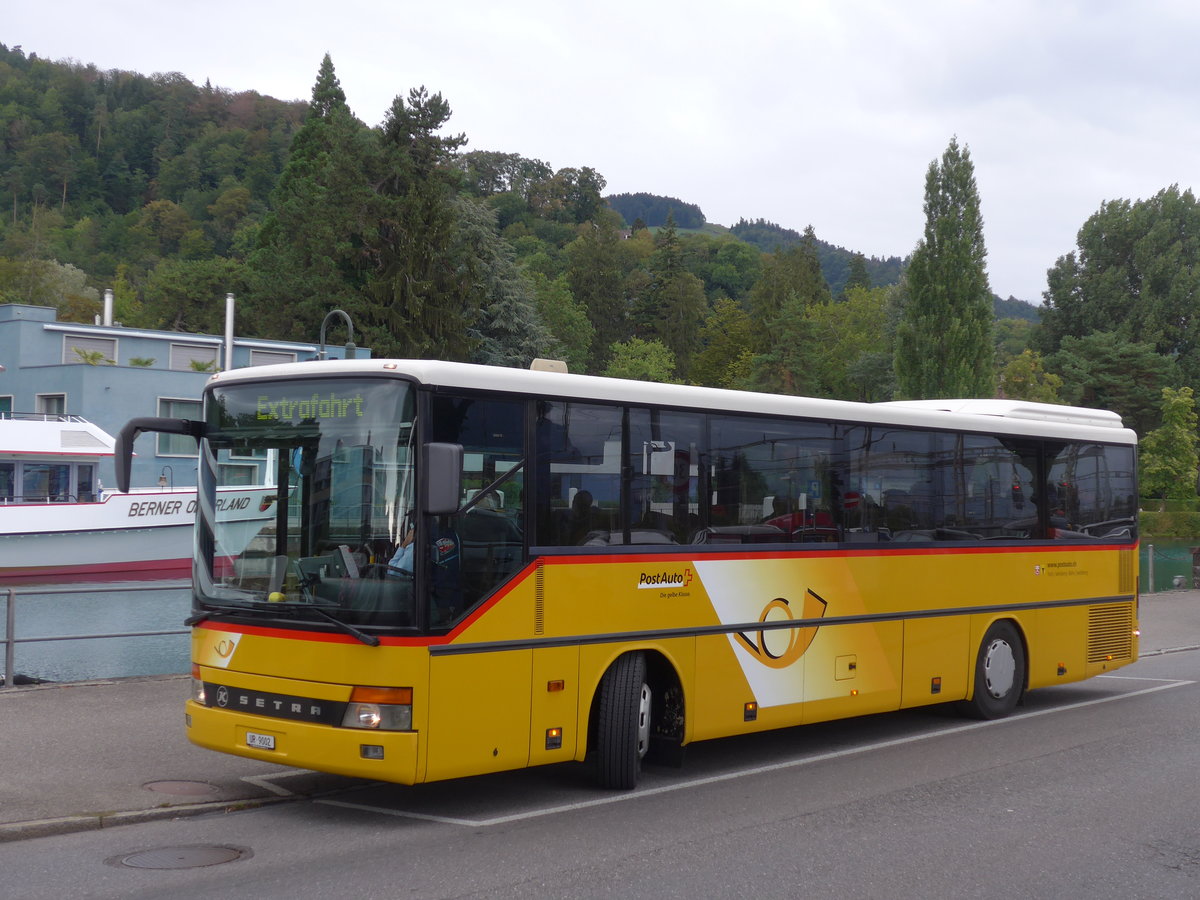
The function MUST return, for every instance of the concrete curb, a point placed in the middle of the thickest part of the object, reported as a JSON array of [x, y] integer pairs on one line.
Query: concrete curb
[[20, 831]]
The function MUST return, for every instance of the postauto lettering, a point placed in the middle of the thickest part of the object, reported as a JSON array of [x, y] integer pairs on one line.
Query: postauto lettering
[[314, 407]]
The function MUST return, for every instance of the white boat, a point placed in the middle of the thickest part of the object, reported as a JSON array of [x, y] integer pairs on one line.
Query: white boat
[[57, 524]]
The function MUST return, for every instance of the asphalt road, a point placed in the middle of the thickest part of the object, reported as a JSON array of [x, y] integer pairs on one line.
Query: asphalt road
[[1089, 791]]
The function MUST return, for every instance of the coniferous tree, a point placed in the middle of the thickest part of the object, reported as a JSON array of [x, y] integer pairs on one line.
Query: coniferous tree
[[425, 295], [725, 341], [309, 257], [789, 276], [599, 263], [672, 309], [857, 277], [943, 341]]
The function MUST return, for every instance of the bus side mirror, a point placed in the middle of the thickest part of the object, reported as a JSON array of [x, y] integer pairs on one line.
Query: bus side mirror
[[443, 478], [123, 448]]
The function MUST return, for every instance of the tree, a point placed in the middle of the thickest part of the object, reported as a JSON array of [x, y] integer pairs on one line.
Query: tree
[[1025, 378], [1136, 270], [426, 298], [598, 264], [311, 254], [847, 341], [189, 295], [789, 275], [1168, 455], [784, 367], [1106, 371], [672, 309], [858, 276], [725, 341], [641, 360], [944, 342], [509, 329], [567, 320]]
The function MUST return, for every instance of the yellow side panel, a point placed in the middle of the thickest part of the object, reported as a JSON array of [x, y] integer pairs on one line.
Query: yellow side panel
[[1058, 637], [870, 684], [554, 708], [936, 648], [722, 691], [478, 713]]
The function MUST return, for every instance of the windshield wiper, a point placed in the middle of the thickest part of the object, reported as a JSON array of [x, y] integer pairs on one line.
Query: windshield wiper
[[369, 639], [266, 606]]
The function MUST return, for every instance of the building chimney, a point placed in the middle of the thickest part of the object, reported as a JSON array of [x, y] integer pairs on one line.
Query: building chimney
[[108, 306], [228, 332]]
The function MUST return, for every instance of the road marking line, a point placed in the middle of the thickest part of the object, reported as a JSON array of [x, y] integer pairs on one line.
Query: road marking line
[[1168, 650], [744, 773], [265, 781]]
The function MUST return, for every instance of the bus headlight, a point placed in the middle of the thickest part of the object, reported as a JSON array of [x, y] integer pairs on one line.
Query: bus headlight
[[381, 709], [198, 693]]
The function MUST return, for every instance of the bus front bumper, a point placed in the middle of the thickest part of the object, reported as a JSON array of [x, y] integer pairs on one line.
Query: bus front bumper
[[358, 753]]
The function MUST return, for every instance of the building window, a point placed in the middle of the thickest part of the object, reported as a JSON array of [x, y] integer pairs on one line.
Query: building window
[[177, 444], [51, 404], [270, 357], [193, 358], [92, 350], [6, 407]]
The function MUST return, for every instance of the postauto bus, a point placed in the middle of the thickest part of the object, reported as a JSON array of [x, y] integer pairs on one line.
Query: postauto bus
[[473, 569]]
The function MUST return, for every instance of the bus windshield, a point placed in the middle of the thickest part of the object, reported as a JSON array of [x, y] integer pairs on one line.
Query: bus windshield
[[330, 542]]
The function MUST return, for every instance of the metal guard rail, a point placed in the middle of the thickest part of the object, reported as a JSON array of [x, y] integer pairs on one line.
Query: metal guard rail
[[10, 617]]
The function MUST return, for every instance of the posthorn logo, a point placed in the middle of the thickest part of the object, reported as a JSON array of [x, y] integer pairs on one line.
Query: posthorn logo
[[661, 580]]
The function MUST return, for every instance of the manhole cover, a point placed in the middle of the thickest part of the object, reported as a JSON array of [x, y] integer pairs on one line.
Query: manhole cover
[[192, 857], [181, 788]]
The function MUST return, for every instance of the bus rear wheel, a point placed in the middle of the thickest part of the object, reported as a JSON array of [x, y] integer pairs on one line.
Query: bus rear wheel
[[999, 673], [623, 722]]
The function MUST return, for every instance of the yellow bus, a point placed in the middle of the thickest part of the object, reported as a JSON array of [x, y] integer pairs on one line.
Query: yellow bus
[[473, 569]]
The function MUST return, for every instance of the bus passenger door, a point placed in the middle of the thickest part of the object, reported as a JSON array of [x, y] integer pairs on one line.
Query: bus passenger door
[[478, 713]]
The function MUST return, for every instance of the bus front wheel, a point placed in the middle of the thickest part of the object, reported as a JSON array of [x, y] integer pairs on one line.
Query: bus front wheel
[[623, 722], [999, 673]]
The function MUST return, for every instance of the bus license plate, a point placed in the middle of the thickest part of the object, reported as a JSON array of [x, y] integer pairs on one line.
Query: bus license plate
[[260, 741]]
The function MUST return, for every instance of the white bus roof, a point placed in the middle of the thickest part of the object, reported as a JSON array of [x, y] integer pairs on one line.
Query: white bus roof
[[1015, 417]]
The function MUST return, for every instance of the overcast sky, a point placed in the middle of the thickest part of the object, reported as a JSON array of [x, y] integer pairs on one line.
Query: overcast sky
[[821, 112]]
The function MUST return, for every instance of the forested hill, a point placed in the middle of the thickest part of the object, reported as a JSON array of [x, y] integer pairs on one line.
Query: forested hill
[[653, 210], [835, 261]]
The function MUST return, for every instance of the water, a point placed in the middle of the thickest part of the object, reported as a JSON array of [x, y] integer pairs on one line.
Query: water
[[1172, 560], [99, 609]]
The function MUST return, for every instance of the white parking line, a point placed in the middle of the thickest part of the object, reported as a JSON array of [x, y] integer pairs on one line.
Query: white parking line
[[754, 770], [266, 782]]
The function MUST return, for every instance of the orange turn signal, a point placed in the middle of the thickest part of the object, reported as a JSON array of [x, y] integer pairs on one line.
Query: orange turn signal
[[385, 695]]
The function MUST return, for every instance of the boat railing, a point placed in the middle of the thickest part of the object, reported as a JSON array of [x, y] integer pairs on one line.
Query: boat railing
[[11, 640], [44, 417], [87, 497]]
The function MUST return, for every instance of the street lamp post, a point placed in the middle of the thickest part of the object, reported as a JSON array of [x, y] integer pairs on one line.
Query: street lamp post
[[350, 348]]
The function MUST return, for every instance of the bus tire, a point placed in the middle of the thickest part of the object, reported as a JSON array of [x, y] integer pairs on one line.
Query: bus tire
[[623, 722], [999, 673]]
